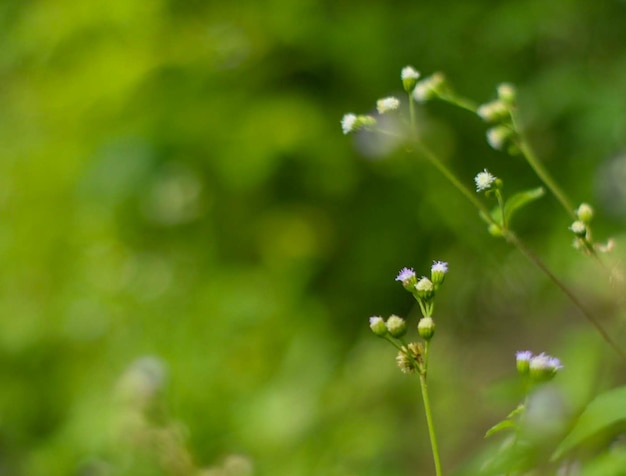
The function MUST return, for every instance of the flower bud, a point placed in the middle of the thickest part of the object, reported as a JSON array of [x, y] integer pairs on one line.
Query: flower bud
[[387, 104], [493, 111], [425, 289], [523, 361], [426, 328], [409, 78], [498, 136], [408, 279], [579, 229], [396, 326], [543, 368], [584, 213], [377, 324], [507, 93], [438, 273], [429, 88]]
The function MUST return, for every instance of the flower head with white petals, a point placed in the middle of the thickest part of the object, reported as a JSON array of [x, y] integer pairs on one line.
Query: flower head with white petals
[[484, 180], [387, 104], [348, 122], [408, 72]]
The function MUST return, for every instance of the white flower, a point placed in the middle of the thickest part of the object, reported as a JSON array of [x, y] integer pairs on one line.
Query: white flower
[[405, 274], [408, 72], [348, 123], [484, 180], [545, 362], [387, 104], [439, 266], [497, 136]]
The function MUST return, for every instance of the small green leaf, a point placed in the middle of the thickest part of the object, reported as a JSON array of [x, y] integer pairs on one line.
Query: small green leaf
[[604, 411], [503, 425], [520, 409], [520, 200]]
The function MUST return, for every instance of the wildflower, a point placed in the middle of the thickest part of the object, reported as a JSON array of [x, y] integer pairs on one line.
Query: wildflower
[[438, 272], [407, 277], [425, 289], [493, 111], [484, 180], [523, 361], [409, 78], [377, 324], [351, 122], [584, 213], [410, 358], [387, 104], [429, 88], [405, 274], [543, 367], [348, 123], [426, 328], [497, 136], [579, 228], [396, 326], [507, 93]]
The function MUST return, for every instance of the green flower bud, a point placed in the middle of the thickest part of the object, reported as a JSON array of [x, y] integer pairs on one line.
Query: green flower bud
[[523, 361], [584, 213], [426, 328], [438, 273], [409, 78], [425, 289], [579, 229], [377, 324], [396, 326], [543, 368], [507, 93]]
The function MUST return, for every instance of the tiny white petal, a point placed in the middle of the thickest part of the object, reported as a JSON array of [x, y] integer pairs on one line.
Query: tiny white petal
[[387, 104], [347, 123], [408, 72]]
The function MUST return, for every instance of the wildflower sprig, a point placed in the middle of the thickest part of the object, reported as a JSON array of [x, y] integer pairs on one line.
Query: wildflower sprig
[[438, 87], [412, 357], [534, 370]]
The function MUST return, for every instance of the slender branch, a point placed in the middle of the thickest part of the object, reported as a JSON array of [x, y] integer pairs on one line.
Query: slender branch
[[429, 417], [539, 168], [514, 240]]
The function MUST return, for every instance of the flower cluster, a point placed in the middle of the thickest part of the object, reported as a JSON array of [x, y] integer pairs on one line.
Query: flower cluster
[[538, 368], [498, 113]]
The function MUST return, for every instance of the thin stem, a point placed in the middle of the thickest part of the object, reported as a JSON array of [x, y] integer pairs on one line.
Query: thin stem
[[463, 103], [514, 240], [429, 417], [412, 110], [540, 170]]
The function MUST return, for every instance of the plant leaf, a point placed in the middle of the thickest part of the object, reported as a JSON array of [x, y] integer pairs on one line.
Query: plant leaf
[[602, 412], [503, 425], [520, 200]]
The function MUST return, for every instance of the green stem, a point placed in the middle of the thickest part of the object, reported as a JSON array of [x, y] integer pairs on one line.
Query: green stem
[[512, 238], [540, 170], [459, 101], [429, 417]]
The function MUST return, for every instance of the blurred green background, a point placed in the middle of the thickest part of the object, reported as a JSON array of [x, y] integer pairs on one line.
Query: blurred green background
[[190, 248]]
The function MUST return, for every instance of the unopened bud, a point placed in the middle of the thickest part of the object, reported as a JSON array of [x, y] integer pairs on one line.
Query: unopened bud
[[584, 213], [396, 326], [426, 328], [377, 324]]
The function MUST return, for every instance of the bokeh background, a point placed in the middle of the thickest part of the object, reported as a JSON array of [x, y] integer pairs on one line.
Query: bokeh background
[[190, 248]]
